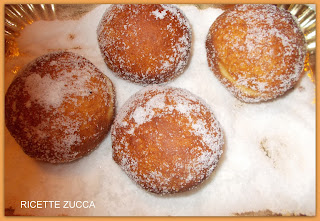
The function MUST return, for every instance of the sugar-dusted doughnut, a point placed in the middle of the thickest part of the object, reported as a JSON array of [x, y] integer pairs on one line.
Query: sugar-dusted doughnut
[[145, 43], [166, 139], [256, 51], [60, 107]]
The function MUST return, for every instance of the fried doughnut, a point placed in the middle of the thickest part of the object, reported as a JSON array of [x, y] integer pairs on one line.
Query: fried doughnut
[[166, 139], [256, 51], [59, 108], [146, 44]]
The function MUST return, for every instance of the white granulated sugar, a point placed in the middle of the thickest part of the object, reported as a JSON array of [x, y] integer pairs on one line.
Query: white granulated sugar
[[268, 160], [142, 115], [40, 90], [159, 15]]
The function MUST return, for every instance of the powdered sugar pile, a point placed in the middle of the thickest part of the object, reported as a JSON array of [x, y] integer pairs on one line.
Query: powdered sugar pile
[[269, 153]]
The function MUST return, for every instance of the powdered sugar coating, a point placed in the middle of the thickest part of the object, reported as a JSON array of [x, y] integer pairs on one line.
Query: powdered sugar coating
[[146, 44], [60, 107], [166, 139], [257, 51]]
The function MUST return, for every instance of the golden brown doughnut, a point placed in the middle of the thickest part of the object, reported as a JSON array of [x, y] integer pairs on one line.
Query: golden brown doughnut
[[166, 139], [147, 44], [256, 51], [59, 108]]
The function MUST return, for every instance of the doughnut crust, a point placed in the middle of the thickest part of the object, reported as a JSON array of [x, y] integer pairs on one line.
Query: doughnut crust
[[166, 139], [59, 108], [256, 51], [146, 44]]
